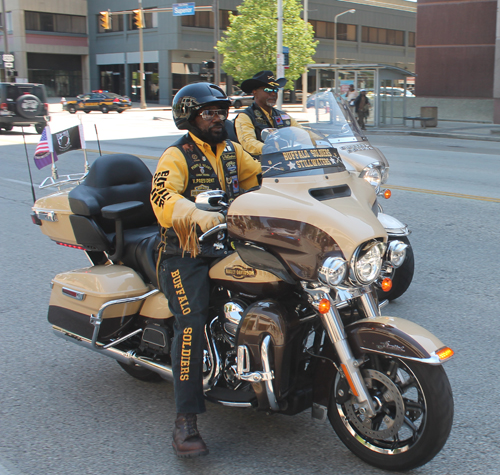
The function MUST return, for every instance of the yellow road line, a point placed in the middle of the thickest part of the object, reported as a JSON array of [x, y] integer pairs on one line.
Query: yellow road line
[[445, 193]]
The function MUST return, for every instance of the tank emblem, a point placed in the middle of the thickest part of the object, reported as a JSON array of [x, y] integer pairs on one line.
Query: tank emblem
[[240, 272]]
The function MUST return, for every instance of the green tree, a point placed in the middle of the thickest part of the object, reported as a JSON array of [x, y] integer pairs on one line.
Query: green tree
[[249, 44]]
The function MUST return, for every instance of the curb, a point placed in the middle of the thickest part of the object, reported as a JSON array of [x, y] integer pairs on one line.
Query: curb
[[444, 135]]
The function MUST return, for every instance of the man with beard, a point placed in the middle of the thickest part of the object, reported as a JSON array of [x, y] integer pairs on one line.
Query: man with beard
[[202, 160], [262, 114]]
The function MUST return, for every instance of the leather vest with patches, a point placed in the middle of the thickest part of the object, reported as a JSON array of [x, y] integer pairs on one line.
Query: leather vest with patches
[[260, 121], [202, 177]]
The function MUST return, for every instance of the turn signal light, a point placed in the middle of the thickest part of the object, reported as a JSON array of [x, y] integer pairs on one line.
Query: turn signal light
[[324, 306], [387, 194], [386, 284], [445, 353]]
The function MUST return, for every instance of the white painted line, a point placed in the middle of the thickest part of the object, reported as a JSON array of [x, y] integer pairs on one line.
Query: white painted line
[[21, 183]]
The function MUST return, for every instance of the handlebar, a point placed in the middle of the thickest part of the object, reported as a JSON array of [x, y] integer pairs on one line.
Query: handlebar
[[214, 230]]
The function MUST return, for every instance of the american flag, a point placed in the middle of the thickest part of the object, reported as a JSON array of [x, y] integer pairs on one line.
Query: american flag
[[43, 150]]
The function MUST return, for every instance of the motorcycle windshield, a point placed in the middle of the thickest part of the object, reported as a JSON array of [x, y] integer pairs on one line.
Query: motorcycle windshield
[[310, 148]]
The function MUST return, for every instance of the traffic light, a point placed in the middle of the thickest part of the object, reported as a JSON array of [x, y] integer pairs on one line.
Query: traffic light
[[105, 18], [209, 64], [138, 19]]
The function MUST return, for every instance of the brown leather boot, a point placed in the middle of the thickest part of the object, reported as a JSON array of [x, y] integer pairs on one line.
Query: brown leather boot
[[187, 441]]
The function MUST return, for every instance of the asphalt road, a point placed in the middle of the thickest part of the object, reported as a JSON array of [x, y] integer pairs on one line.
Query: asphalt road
[[67, 411]]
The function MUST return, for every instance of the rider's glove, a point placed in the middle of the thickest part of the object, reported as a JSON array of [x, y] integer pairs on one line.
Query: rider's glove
[[185, 217]]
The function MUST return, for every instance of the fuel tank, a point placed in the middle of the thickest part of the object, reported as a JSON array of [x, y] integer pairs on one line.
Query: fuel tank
[[236, 276]]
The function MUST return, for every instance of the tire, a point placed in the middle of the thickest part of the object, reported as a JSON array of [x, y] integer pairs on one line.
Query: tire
[[401, 277], [7, 128], [120, 111], [138, 372], [417, 401], [72, 109], [237, 104], [39, 128], [87, 112], [104, 109], [28, 106]]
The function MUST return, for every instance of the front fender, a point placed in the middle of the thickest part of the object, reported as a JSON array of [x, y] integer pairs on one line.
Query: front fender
[[395, 337], [393, 226]]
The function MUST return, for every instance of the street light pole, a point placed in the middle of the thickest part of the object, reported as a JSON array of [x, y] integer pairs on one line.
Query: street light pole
[[142, 74], [216, 40], [304, 74], [280, 68], [335, 34]]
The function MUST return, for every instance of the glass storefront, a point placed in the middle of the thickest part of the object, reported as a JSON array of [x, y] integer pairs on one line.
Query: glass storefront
[[112, 78], [151, 82], [60, 73]]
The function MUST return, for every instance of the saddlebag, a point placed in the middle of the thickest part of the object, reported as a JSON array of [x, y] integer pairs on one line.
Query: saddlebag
[[78, 294]]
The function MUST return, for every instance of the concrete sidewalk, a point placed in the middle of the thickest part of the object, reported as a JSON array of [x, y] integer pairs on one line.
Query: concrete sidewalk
[[444, 129]]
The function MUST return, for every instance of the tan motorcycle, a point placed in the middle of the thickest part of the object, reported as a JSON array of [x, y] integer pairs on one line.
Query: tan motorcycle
[[294, 321]]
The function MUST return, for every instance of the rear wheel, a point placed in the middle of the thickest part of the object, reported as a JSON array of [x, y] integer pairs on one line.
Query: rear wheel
[[7, 127], [414, 406], [86, 112], [138, 372], [71, 109], [237, 104], [104, 109]]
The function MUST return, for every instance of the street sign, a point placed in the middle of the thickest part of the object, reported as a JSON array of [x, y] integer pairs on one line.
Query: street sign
[[8, 58], [183, 9], [8, 65]]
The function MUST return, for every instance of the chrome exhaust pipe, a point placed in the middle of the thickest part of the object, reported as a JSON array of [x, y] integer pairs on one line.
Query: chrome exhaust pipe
[[126, 357]]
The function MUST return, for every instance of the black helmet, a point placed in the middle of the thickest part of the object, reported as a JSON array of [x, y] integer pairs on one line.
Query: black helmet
[[191, 98]]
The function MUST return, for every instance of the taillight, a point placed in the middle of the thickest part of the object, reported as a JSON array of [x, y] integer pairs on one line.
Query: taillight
[[116, 99], [46, 108], [72, 246], [4, 106]]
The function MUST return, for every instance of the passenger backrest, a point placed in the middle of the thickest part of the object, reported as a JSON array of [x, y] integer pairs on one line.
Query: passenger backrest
[[114, 179]]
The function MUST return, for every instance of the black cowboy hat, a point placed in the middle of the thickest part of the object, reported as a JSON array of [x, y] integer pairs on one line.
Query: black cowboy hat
[[262, 79]]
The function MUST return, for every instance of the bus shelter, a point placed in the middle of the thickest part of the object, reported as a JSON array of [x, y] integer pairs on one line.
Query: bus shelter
[[386, 87]]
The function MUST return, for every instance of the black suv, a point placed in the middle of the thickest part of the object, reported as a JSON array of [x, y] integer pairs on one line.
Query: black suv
[[23, 104]]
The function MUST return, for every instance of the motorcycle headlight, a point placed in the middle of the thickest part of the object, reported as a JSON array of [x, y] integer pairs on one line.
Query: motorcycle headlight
[[333, 271], [366, 262], [376, 174], [396, 253]]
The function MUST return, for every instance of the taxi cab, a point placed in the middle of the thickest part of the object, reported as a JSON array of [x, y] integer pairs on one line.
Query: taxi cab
[[99, 100]]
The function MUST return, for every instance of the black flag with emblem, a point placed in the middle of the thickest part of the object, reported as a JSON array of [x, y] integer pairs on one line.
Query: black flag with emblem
[[66, 140]]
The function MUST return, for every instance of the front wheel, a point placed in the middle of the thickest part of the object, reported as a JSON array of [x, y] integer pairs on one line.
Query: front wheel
[[237, 104], [104, 109], [401, 277], [414, 405]]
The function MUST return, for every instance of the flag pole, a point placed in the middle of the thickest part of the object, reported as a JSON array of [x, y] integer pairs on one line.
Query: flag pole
[[98, 143], [55, 175], [83, 145], [29, 167]]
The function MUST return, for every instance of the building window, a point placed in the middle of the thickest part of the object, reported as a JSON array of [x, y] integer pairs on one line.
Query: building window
[[150, 20], [54, 22], [411, 38], [116, 24], [326, 29], [206, 19], [382, 36]]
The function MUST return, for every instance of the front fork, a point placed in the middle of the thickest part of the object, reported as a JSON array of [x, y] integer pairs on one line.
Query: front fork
[[334, 326]]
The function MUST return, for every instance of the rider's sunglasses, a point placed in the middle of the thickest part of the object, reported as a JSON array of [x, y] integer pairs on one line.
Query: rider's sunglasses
[[271, 89], [209, 114]]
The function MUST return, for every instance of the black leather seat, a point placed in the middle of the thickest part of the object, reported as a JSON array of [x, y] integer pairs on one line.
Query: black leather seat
[[117, 179]]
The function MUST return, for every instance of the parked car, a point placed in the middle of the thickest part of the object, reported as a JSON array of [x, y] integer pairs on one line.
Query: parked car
[[395, 91], [241, 99], [23, 104], [103, 101]]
